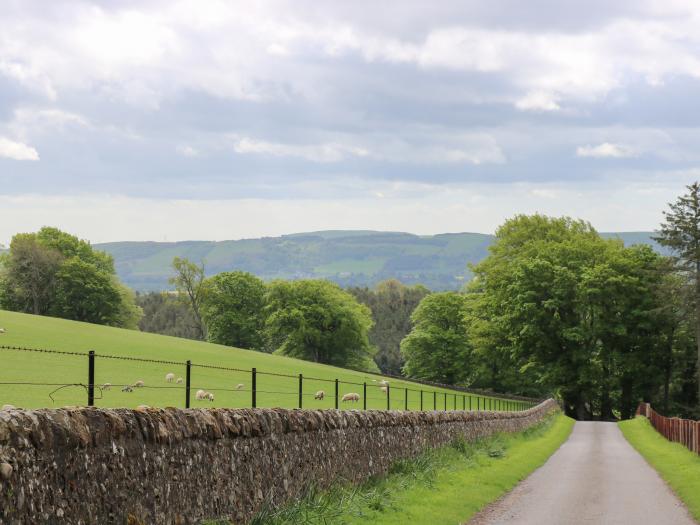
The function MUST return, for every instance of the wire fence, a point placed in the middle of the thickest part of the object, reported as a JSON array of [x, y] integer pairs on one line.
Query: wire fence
[[113, 380]]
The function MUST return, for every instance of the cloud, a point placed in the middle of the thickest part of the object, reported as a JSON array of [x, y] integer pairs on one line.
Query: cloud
[[330, 152], [16, 150], [187, 151], [606, 150]]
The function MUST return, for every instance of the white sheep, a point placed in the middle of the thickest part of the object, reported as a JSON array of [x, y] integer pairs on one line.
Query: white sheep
[[210, 396], [384, 389], [200, 394], [170, 377], [382, 382], [9, 407], [106, 386], [138, 383], [2, 330], [320, 394], [240, 386], [127, 388], [142, 408], [179, 380], [352, 396]]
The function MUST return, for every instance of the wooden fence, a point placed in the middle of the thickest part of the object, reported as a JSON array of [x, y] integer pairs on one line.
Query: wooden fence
[[683, 431]]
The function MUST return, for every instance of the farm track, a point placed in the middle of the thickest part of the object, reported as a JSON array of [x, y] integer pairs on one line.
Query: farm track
[[596, 477]]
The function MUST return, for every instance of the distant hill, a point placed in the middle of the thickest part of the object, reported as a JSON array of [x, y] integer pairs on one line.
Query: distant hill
[[346, 257]]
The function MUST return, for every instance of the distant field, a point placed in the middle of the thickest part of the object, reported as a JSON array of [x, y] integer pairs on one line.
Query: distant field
[[273, 391]]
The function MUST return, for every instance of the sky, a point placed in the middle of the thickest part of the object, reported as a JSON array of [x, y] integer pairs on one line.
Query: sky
[[181, 119]]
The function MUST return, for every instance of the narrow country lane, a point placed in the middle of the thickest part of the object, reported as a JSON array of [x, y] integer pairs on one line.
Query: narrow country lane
[[596, 477]]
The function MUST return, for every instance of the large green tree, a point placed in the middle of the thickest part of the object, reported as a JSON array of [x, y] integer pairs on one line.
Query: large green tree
[[233, 309], [318, 321], [53, 272], [680, 232], [437, 348]]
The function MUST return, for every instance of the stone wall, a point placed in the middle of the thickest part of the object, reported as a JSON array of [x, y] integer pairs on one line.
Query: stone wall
[[173, 466]]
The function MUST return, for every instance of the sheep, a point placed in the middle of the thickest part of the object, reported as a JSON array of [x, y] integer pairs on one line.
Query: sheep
[[384, 389], [9, 407], [170, 377], [382, 382], [2, 330], [138, 383], [320, 394], [210, 396], [179, 380], [127, 388], [106, 386], [240, 386], [142, 408], [352, 396], [200, 394]]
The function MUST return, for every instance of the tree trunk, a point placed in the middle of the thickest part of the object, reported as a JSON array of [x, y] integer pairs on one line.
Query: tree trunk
[[668, 369], [697, 325]]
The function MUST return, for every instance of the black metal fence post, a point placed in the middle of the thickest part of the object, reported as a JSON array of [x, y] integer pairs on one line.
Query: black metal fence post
[[364, 395], [421, 401], [301, 390], [254, 387], [470, 403], [478, 403], [388, 397], [464, 402], [454, 401], [445, 400], [336, 394], [434, 400], [91, 378], [188, 376], [405, 399]]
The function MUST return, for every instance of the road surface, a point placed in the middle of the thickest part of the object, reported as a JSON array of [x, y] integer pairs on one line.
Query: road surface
[[596, 477]]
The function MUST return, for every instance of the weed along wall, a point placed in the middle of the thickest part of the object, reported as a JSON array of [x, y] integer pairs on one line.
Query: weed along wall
[[174, 466]]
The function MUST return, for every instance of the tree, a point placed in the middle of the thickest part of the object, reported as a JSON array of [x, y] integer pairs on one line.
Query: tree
[[233, 310], [30, 270], [318, 321], [189, 282], [680, 232], [85, 293], [392, 304], [437, 348], [53, 272]]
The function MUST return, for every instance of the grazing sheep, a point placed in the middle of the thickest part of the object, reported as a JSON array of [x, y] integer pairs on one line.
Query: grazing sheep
[[383, 389], [127, 388], [2, 330], [382, 382], [170, 377], [179, 380], [141, 408], [320, 394], [138, 384], [240, 386], [106, 386], [210, 396], [200, 394], [352, 396], [9, 407]]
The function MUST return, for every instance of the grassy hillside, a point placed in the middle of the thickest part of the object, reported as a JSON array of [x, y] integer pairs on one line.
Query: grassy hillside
[[346, 257], [273, 391]]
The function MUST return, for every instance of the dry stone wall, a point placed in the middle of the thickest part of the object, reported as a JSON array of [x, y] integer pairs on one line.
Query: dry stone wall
[[173, 466]]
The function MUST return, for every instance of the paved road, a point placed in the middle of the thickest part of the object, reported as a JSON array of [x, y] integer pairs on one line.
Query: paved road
[[596, 477]]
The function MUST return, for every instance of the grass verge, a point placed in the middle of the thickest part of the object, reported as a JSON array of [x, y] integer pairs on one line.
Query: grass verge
[[678, 466], [448, 485]]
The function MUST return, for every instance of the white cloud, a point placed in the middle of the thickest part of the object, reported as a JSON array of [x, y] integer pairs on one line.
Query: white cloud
[[606, 150], [187, 151], [538, 101], [329, 152], [17, 150]]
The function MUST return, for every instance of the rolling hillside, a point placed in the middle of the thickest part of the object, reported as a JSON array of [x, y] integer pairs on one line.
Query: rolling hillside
[[360, 258], [51, 372]]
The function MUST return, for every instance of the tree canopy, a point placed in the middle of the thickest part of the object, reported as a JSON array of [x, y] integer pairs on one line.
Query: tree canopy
[[318, 321]]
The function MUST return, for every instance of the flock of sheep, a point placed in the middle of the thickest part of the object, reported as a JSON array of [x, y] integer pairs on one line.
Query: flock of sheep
[[203, 395]]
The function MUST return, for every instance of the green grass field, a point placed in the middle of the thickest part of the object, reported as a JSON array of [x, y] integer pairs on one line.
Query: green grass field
[[272, 391], [678, 466], [448, 485]]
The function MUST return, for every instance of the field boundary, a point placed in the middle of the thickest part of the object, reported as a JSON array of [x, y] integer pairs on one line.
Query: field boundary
[[679, 430], [456, 399]]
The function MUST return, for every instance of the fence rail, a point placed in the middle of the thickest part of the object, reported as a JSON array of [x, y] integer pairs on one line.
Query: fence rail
[[303, 391], [683, 431]]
